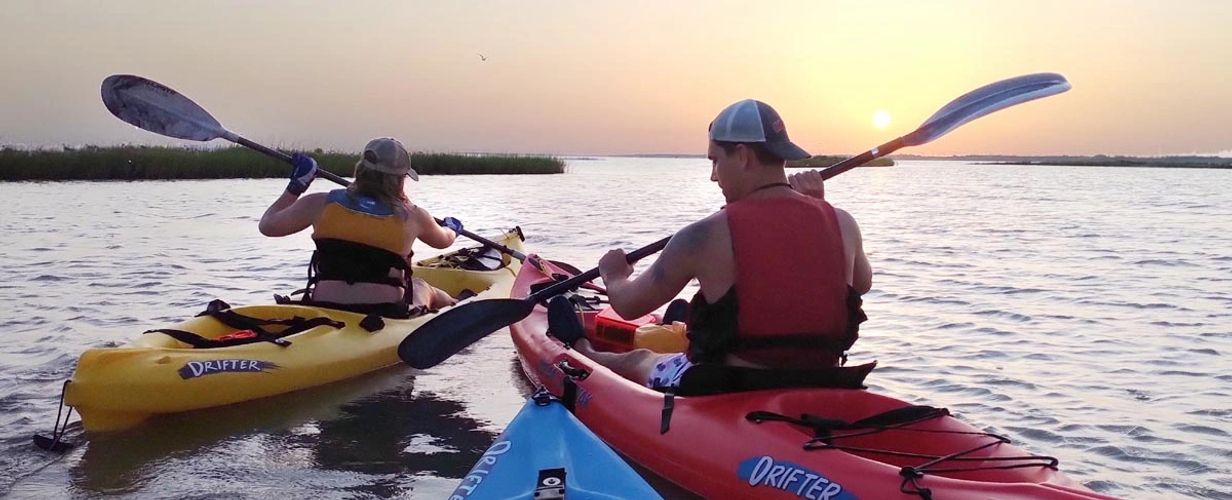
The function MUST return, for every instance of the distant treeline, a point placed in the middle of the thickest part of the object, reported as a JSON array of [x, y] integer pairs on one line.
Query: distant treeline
[[1089, 161], [819, 161], [156, 162], [822, 161]]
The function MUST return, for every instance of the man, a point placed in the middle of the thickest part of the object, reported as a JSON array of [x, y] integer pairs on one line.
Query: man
[[363, 234], [780, 270]]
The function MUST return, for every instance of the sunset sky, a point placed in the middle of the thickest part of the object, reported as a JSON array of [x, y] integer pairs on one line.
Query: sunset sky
[[591, 77]]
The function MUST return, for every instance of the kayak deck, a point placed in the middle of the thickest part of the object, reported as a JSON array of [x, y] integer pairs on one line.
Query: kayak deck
[[117, 387], [710, 445], [545, 452]]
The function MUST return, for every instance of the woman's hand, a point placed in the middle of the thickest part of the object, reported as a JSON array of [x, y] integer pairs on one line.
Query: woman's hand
[[302, 175]]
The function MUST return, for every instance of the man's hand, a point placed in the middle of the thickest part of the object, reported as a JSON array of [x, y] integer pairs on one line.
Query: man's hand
[[808, 183], [614, 266]]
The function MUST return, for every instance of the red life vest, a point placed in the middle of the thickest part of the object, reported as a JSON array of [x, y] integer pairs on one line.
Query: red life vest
[[791, 285]]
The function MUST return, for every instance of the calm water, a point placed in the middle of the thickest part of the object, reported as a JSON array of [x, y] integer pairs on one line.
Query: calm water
[[1085, 312]]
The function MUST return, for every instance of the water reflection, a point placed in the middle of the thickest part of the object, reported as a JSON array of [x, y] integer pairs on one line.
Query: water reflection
[[376, 425], [394, 434]]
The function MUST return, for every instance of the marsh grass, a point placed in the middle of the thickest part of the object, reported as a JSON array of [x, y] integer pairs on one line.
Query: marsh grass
[[155, 162]]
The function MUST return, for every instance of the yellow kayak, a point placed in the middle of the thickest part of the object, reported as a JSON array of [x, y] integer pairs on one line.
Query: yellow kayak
[[115, 388]]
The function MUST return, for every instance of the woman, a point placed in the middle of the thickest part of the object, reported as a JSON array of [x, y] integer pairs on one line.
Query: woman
[[363, 234]]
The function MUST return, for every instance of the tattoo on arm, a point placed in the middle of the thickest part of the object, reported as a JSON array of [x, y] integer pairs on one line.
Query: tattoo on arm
[[679, 252], [657, 274], [692, 238]]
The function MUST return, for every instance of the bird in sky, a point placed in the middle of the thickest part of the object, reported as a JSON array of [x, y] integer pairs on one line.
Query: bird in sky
[[481, 57]]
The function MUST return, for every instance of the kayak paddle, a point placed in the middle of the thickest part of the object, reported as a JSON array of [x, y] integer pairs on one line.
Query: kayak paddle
[[459, 327], [154, 107], [464, 324], [977, 103]]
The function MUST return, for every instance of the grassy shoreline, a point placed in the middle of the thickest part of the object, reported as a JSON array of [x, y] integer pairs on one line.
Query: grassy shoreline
[[823, 161], [156, 162], [1132, 163], [1175, 161]]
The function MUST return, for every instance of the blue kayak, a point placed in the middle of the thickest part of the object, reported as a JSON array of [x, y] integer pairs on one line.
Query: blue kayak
[[546, 453]]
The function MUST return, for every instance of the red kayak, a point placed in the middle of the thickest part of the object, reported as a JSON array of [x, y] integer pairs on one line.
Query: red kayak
[[815, 443]]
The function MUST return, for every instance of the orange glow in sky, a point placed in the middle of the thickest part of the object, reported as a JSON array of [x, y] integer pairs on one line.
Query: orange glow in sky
[[1149, 77]]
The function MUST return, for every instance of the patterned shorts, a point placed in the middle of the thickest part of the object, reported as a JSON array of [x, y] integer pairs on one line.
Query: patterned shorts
[[668, 370]]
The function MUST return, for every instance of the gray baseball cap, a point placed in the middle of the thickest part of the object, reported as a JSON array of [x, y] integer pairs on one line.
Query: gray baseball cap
[[389, 156], [751, 120]]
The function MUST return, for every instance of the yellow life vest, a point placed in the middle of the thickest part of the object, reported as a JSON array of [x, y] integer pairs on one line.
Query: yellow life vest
[[359, 240], [361, 220]]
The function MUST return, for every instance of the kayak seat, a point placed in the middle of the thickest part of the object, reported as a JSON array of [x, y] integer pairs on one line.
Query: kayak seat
[[677, 310], [711, 378], [386, 310], [563, 322], [706, 379], [478, 259]]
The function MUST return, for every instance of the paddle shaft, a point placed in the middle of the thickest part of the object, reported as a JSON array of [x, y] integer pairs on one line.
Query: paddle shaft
[[339, 180], [862, 158], [576, 281]]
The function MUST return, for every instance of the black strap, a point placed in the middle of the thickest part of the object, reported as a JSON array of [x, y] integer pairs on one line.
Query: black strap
[[569, 398], [823, 427], [395, 310], [790, 341], [341, 260], [200, 342], [898, 416], [56, 442], [372, 323], [222, 312], [713, 378], [669, 405], [187, 337], [572, 374]]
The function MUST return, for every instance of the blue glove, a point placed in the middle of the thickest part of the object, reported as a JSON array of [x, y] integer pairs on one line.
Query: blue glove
[[303, 174], [452, 223]]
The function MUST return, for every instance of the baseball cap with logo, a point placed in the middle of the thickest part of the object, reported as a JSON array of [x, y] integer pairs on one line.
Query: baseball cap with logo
[[387, 155], [751, 120]]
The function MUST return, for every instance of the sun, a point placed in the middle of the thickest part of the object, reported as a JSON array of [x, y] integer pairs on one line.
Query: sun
[[881, 119]]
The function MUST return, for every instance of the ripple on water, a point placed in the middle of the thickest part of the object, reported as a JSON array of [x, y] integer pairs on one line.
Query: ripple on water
[[1133, 305], [1201, 429], [1181, 373], [1021, 318], [1168, 324], [1035, 435], [1165, 263]]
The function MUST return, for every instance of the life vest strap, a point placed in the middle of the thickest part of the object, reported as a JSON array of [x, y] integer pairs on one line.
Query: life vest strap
[[341, 260]]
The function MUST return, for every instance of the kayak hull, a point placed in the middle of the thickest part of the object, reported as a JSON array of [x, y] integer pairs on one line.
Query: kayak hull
[[711, 449], [546, 450], [118, 387]]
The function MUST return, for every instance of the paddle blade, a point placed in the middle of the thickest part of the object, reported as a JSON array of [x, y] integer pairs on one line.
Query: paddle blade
[[459, 327], [984, 100], [151, 106]]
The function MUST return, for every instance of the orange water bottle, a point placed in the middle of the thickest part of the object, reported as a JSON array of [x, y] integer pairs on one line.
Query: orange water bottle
[[662, 338]]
